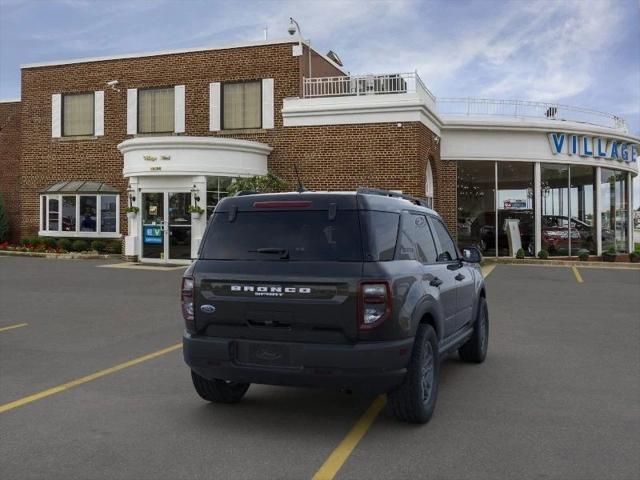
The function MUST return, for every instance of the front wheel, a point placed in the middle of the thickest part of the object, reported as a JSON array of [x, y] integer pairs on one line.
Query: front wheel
[[415, 399], [219, 391], [475, 349]]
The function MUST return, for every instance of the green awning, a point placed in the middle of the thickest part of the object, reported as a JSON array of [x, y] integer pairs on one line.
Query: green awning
[[80, 187]]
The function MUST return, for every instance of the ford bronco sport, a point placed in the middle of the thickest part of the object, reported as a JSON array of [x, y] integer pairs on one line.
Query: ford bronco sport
[[357, 290]]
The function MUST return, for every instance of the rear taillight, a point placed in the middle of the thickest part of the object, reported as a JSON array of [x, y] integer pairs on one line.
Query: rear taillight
[[186, 298], [374, 304]]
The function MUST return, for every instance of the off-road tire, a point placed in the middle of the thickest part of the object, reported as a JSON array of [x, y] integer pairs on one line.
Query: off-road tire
[[408, 402], [475, 349], [219, 391]]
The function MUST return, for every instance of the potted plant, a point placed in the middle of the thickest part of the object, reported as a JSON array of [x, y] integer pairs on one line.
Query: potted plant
[[610, 255], [583, 254], [131, 212], [520, 253], [195, 211], [543, 254], [634, 257]]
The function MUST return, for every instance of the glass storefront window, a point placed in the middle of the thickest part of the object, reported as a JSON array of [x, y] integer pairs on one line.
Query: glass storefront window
[[515, 207], [54, 213], [69, 214], [582, 209], [614, 210], [476, 205], [554, 201], [88, 213], [108, 213], [217, 189]]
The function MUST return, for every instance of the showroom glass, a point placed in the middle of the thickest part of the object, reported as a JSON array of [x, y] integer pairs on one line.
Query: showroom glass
[[476, 205], [302, 236], [554, 201], [54, 213], [156, 110], [77, 114], [69, 213], [88, 213], [582, 209], [614, 210], [108, 213], [515, 203], [217, 189], [447, 251], [242, 105]]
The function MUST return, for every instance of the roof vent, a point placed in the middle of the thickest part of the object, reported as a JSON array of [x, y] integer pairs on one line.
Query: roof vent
[[334, 57]]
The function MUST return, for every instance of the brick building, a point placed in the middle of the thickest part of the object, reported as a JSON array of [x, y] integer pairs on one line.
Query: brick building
[[163, 131]]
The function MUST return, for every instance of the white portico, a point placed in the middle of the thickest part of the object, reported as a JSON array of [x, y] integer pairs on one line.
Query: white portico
[[169, 174]]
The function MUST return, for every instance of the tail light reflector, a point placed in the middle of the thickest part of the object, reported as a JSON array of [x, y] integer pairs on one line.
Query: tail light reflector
[[374, 302], [186, 299]]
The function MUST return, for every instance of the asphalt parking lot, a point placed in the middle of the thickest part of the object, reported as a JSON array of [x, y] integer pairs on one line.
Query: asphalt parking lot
[[558, 397]]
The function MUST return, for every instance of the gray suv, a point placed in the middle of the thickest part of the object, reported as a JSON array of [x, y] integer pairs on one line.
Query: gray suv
[[362, 291]]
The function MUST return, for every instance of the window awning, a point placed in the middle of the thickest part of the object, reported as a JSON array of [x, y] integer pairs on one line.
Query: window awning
[[80, 187]]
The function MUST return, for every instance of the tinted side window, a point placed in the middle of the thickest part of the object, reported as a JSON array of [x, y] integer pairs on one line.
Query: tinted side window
[[416, 242], [446, 248], [381, 232]]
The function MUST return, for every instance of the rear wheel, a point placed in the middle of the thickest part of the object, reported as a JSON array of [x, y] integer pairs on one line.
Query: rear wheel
[[415, 400], [219, 391], [475, 350]]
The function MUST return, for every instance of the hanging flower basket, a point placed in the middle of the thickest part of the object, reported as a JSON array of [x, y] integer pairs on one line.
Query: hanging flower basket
[[131, 212], [195, 211]]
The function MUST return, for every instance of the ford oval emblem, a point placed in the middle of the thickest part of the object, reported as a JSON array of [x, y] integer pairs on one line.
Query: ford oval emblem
[[207, 308]]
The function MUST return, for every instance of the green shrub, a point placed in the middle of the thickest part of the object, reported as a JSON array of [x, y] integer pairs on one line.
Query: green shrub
[[79, 246], [99, 246], [47, 242], [520, 253], [611, 250], [583, 254], [268, 183], [634, 257], [115, 247], [29, 241], [543, 254], [64, 244]]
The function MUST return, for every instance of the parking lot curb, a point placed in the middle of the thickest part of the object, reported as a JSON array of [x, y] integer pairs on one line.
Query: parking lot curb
[[61, 256]]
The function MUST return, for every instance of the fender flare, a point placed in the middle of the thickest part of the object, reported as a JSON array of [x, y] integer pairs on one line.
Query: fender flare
[[429, 306]]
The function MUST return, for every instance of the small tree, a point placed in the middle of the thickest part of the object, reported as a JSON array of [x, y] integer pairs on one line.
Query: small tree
[[4, 223], [269, 183]]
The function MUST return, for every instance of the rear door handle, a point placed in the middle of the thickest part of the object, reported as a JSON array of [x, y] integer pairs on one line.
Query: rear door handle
[[459, 277], [435, 282]]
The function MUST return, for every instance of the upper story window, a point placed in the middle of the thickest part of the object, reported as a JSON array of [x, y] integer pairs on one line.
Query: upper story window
[[156, 110], [78, 113], [242, 105]]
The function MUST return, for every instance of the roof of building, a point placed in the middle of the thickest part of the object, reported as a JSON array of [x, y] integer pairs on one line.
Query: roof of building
[[174, 52], [80, 186]]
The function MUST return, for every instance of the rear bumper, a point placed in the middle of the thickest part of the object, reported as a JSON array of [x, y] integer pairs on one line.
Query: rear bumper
[[373, 366]]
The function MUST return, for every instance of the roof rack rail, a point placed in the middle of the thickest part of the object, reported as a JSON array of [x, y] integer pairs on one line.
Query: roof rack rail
[[389, 193], [242, 193]]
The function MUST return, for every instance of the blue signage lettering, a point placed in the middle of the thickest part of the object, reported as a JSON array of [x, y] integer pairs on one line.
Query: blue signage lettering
[[586, 148], [596, 147], [612, 151], [634, 152], [557, 140], [573, 146], [624, 152], [601, 150]]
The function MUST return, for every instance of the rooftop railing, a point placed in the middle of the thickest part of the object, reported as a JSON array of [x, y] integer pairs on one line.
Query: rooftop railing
[[527, 109], [399, 83], [356, 85]]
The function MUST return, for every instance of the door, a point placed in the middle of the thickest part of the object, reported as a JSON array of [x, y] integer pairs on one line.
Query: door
[[153, 244], [166, 226]]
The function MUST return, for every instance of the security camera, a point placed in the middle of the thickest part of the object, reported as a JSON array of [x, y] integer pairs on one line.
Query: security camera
[[112, 83], [292, 28]]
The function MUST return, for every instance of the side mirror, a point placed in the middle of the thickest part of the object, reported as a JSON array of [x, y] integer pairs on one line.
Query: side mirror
[[471, 255]]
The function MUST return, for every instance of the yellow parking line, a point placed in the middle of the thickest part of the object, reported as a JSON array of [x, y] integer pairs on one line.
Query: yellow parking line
[[577, 274], [487, 269], [74, 383], [11, 327], [337, 458]]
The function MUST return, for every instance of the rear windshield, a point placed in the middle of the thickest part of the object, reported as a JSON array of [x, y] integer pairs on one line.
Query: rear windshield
[[284, 235]]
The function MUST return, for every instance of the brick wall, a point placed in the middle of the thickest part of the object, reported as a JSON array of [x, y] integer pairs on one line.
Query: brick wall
[[10, 163], [328, 157]]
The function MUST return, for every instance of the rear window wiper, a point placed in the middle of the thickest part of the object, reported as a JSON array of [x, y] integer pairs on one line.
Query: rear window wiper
[[283, 252]]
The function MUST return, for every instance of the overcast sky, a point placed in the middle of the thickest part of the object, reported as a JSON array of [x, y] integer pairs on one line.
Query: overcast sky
[[582, 52]]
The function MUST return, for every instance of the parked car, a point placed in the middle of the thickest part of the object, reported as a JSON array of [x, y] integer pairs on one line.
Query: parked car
[[363, 291]]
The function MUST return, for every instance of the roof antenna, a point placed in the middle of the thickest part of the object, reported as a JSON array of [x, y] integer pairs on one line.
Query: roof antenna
[[301, 188]]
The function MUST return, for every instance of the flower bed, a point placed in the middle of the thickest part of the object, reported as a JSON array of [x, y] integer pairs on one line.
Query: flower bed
[[63, 245]]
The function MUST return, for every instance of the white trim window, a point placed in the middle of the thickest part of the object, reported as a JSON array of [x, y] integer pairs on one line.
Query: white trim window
[[428, 186], [78, 114], [241, 105], [80, 215], [156, 110]]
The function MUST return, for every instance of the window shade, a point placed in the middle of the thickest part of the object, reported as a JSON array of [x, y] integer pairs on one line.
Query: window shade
[[242, 105], [77, 114], [156, 109]]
